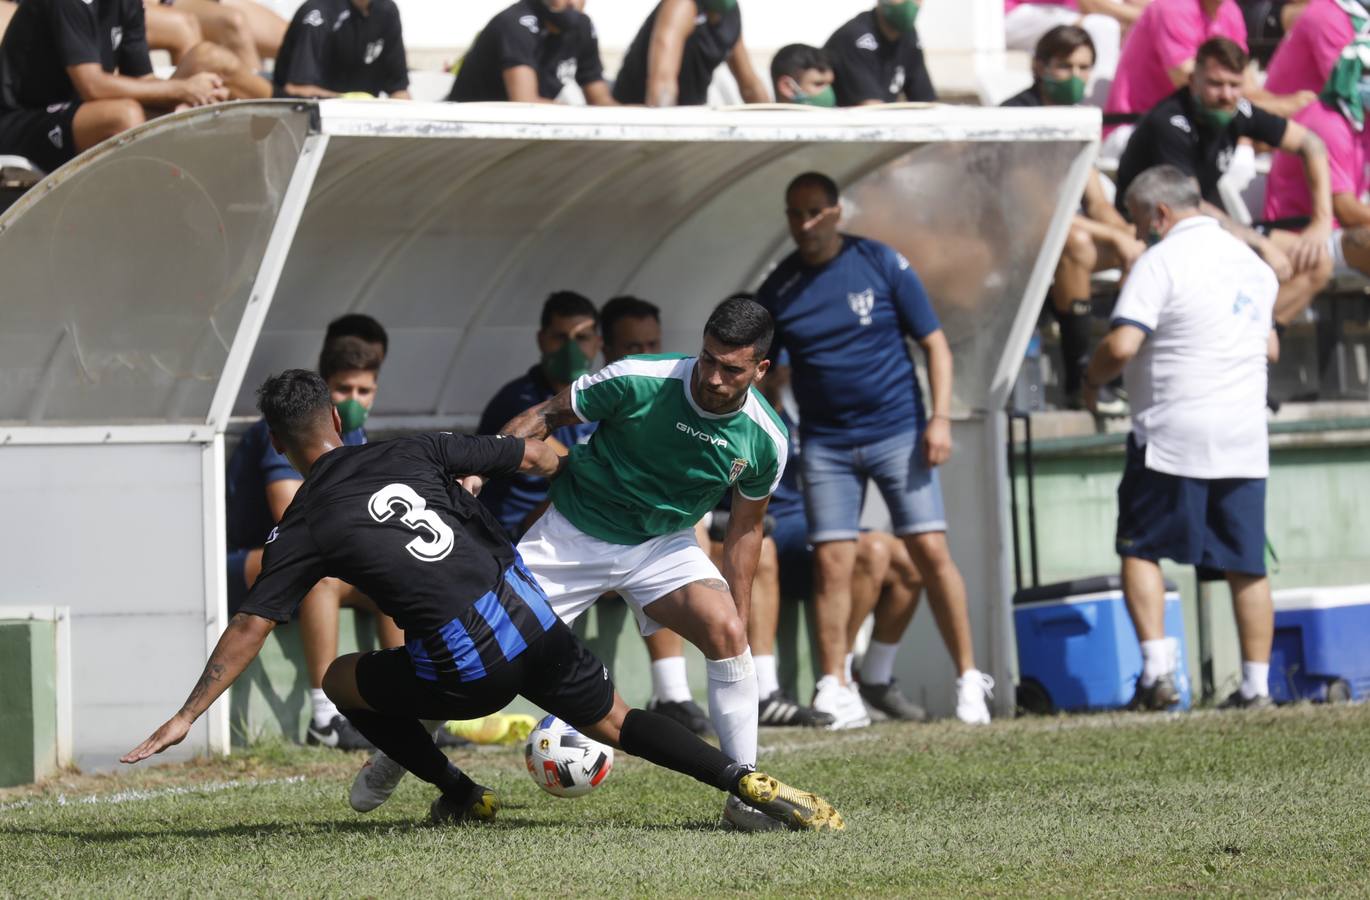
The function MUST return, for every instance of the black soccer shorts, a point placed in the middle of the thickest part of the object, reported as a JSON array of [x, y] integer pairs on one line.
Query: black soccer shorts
[[43, 136], [557, 672]]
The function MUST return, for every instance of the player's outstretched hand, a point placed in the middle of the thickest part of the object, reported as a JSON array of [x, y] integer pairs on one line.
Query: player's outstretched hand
[[937, 441], [169, 735]]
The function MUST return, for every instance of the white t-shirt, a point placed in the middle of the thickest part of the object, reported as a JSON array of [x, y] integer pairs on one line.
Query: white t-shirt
[[1197, 385]]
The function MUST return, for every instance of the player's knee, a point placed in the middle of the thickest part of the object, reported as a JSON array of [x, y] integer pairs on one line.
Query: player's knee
[[1079, 249], [872, 553], [208, 56], [929, 551], [340, 682], [728, 637], [120, 115]]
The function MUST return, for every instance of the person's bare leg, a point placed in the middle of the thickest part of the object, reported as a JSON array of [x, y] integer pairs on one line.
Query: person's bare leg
[[171, 29], [868, 576], [1255, 613], [388, 634], [1299, 291], [242, 83], [1355, 247], [946, 594], [7, 11], [318, 621], [98, 120], [1144, 591], [833, 565], [763, 618], [894, 610], [268, 28], [898, 597], [1073, 270], [226, 26]]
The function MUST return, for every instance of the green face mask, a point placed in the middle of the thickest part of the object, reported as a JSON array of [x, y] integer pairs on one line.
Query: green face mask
[[1217, 119], [1065, 92], [565, 365], [826, 98], [353, 415], [718, 6], [899, 16]]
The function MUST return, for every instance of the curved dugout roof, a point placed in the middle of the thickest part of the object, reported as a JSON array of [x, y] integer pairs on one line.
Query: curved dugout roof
[[129, 271]]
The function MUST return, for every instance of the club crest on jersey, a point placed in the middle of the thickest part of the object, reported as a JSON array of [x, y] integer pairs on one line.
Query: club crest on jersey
[[739, 466], [275, 533], [862, 304], [373, 52]]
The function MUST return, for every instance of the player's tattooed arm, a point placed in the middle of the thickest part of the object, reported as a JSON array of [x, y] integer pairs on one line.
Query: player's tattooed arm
[[239, 645], [539, 421]]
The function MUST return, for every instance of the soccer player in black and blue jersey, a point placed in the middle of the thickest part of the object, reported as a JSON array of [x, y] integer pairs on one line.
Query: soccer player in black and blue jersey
[[478, 628]]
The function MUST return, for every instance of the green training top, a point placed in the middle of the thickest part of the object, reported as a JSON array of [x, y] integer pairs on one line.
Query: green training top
[[658, 462]]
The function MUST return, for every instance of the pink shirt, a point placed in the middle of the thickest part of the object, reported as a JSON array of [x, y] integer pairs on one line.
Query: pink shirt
[[1011, 5], [1168, 34], [1303, 62]]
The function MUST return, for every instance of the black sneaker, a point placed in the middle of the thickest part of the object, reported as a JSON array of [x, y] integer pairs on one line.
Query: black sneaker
[[887, 698], [782, 710], [1159, 696], [1235, 700], [687, 713], [446, 740], [339, 734], [480, 806]]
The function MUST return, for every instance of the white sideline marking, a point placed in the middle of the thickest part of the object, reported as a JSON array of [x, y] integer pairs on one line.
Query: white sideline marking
[[134, 795]]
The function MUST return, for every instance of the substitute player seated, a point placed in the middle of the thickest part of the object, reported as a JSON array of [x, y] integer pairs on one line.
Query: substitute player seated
[[336, 47], [478, 629]]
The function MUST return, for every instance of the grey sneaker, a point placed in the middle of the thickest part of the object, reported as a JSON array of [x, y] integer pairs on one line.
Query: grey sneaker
[[887, 698], [1235, 700], [1160, 696]]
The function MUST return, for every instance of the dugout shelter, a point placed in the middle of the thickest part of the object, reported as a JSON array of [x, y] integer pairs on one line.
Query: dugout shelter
[[151, 283]]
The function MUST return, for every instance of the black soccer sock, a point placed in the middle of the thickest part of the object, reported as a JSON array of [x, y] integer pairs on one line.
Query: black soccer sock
[[410, 744], [1076, 331], [669, 744]]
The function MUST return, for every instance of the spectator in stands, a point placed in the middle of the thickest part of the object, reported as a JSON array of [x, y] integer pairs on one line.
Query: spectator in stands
[[1320, 54], [884, 581], [1099, 237], [802, 74], [228, 26], [362, 326], [336, 47], [568, 343], [1197, 129], [261, 484], [1158, 57], [672, 60], [529, 53], [844, 307], [74, 73], [876, 57], [1191, 335], [1026, 21]]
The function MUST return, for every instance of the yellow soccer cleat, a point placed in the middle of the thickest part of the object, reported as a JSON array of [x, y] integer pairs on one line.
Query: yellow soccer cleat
[[498, 728], [482, 806], [795, 809]]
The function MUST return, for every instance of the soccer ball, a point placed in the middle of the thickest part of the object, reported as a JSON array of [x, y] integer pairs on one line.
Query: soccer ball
[[564, 762]]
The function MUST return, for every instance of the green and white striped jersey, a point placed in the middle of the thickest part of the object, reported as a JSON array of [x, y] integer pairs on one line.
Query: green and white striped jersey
[[657, 462]]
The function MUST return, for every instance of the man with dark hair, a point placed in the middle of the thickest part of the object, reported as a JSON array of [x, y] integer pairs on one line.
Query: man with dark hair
[[802, 74], [336, 47], [568, 343], [359, 325], [261, 484], [1099, 237], [478, 630], [530, 52], [877, 58], [844, 307], [629, 326], [1198, 130], [671, 62]]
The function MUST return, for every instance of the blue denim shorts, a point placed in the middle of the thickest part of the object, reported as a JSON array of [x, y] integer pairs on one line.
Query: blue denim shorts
[[835, 487]]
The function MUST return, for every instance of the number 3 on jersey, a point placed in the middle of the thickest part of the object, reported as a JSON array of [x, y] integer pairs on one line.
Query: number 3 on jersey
[[436, 537]]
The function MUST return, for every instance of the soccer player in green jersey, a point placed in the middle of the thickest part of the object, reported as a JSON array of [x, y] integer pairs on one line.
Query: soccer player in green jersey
[[674, 433]]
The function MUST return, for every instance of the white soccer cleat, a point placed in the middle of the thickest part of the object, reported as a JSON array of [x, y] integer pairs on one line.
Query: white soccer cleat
[[377, 780], [972, 690], [738, 816], [842, 702]]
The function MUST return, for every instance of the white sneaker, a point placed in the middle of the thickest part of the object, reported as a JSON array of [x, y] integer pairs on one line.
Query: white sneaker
[[377, 780], [842, 702], [738, 816], [972, 690]]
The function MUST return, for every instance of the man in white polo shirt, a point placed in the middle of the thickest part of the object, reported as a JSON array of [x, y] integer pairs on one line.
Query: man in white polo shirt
[[1192, 336]]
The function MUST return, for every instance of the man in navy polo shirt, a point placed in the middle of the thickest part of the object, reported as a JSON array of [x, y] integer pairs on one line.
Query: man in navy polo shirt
[[843, 306]]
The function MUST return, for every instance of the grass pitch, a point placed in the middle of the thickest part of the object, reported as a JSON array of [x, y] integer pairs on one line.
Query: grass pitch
[[1273, 802]]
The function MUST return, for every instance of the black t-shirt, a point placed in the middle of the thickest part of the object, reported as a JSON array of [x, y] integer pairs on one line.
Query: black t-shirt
[[331, 45], [385, 518], [708, 46], [1172, 134], [1029, 97], [867, 66], [518, 37], [47, 36]]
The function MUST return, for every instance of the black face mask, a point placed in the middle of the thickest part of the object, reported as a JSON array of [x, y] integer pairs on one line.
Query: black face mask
[[564, 20]]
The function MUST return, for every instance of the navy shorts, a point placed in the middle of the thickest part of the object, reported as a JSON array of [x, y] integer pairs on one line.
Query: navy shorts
[[1216, 523]]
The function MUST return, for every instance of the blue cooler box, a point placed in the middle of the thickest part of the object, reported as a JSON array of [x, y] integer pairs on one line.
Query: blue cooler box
[[1077, 649], [1322, 644]]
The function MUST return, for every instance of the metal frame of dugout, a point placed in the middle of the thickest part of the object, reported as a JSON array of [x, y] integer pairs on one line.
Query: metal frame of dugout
[[151, 283]]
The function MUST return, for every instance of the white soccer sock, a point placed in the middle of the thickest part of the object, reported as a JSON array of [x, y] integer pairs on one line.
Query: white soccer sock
[[1255, 679], [1155, 660], [767, 681], [847, 667], [877, 667], [670, 684], [324, 710], [733, 705]]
